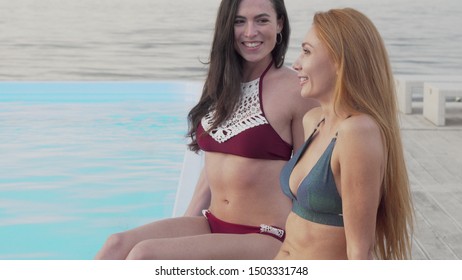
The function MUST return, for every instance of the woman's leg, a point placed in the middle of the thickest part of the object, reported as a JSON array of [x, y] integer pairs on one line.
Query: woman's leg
[[208, 246], [118, 245]]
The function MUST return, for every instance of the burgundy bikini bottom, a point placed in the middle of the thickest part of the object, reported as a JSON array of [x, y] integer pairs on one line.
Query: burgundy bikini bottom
[[220, 226]]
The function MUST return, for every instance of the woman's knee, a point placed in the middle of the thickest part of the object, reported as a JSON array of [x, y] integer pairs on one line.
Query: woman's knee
[[144, 250], [115, 247]]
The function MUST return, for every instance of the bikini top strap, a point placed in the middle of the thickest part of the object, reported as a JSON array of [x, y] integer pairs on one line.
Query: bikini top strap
[[319, 123], [260, 86], [266, 70], [336, 133], [316, 128]]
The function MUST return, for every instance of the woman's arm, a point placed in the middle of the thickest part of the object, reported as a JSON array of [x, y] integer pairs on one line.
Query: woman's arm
[[361, 158]]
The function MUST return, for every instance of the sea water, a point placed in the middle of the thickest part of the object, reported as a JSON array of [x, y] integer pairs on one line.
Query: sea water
[[162, 39]]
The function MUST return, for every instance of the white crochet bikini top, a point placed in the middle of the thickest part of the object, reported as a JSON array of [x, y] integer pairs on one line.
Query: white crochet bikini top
[[247, 132], [249, 114]]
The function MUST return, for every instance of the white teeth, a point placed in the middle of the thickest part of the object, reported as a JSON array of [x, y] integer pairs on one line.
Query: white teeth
[[251, 45], [303, 79]]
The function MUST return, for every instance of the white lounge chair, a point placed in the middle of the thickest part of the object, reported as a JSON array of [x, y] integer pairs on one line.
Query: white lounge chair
[[190, 172]]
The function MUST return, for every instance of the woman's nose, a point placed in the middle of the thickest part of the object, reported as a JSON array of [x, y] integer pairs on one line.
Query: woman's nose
[[296, 64], [250, 30]]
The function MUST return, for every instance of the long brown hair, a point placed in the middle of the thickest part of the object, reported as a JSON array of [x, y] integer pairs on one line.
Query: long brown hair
[[365, 84], [221, 90]]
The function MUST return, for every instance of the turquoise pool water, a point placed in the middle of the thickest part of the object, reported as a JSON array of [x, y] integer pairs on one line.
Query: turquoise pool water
[[82, 160]]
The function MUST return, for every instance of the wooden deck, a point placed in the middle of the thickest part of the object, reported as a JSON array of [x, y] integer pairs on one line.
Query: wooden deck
[[434, 161]]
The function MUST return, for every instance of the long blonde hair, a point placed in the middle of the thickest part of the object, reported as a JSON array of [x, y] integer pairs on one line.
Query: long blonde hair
[[365, 84]]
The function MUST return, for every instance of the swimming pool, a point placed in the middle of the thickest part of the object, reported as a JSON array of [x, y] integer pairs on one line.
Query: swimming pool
[[82, 160]]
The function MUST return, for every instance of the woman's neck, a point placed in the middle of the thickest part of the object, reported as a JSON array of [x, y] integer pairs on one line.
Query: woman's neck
[[253, 70]]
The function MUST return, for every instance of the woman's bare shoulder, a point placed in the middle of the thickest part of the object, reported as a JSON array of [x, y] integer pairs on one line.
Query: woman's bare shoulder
[[289, 75], [360, 131], [360, 124]]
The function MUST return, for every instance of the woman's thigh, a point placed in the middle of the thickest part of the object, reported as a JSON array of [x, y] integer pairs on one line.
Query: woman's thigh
[[168, 228], [208, 246], [118, 245]]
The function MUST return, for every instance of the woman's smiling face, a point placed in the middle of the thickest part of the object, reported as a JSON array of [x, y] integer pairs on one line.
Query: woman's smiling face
[[255, 29], [316, 70]]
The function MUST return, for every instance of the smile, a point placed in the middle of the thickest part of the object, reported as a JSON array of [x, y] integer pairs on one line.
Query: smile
[[252, 44]]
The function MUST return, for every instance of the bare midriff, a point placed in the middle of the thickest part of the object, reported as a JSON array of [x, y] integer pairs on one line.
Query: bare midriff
[[312, 241], [246, 191]]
